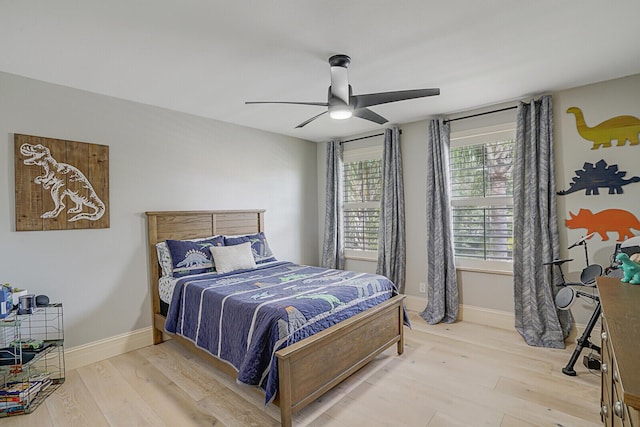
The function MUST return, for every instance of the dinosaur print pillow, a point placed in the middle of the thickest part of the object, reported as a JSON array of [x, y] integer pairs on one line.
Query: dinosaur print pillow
[[259, 246], [164, 258], [192, 257]]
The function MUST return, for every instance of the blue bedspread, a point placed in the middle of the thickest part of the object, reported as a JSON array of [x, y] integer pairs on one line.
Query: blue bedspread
[[245, 317]]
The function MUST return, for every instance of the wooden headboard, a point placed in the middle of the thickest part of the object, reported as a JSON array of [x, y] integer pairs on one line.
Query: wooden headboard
[[180, 225]]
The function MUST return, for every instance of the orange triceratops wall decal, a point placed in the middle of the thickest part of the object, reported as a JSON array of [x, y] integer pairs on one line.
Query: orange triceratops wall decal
[[620, 128], [604, 221]]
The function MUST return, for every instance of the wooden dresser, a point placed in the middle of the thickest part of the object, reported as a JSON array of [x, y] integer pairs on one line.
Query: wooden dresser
[[620, 393]]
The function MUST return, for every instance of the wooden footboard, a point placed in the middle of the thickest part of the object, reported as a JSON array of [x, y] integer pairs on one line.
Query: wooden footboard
[[313, 366], [309, 368]]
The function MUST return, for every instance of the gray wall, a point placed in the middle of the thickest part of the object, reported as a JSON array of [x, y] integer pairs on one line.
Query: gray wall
[[159, 160], [495, 291], [598, 102]]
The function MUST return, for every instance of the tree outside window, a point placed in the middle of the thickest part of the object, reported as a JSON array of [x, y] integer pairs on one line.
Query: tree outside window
[[362, 193], [482, 200]]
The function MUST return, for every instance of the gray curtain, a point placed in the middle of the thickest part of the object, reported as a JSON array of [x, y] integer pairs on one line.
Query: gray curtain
[[333, 244], [535, 229], [442, 305], [391, 237]]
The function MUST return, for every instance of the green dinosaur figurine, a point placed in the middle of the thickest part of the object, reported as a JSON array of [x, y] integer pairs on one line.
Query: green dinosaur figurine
[[631, 269]]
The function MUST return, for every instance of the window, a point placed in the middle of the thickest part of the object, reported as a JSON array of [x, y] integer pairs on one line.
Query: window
[[482, 195], [362, 191]]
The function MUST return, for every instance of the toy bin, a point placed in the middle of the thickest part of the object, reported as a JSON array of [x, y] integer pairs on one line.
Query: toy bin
[[6, 302]]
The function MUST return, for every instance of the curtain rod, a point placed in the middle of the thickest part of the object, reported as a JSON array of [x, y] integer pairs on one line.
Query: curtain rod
[[365, 137], [481, 114]]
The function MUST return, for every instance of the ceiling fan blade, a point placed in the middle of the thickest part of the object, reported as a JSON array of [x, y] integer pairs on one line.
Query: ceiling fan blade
[[370, 99], [365, 113], [320, 104], [342, 104], [306, 122]]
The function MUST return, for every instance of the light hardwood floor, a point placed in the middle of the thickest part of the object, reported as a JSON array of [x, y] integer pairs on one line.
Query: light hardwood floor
[[461, 374]]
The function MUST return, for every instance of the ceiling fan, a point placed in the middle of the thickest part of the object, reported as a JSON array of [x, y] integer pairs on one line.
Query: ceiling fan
[[342, 104]]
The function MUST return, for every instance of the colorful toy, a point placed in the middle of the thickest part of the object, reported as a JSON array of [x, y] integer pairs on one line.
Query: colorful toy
[[6, 302], [620, 128], [591, 177], [27, 343], [604, 221], [631, 269]]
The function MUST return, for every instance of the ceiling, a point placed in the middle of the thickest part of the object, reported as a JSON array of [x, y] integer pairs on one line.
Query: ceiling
[[207, 57]]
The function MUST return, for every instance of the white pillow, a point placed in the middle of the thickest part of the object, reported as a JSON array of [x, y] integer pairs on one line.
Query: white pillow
[[231, 258]]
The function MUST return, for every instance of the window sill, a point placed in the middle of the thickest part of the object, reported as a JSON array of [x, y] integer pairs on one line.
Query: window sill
[[485, 270], [485, 266], [360, 258]]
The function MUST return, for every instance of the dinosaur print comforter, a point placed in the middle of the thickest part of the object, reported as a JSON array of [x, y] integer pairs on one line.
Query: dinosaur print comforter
[[245, 317]]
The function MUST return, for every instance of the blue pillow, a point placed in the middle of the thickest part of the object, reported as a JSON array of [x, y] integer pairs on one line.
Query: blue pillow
[[259, 246], [192, 257]]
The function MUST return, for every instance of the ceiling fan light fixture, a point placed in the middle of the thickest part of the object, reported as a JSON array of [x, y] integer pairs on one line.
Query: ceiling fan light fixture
[[340, 113]]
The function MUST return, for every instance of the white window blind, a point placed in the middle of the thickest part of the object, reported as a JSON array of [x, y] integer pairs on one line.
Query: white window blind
[[362, 191], [482, 196]]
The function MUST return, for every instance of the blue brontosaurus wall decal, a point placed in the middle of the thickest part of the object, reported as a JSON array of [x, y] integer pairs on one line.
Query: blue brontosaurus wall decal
[[591, 177]]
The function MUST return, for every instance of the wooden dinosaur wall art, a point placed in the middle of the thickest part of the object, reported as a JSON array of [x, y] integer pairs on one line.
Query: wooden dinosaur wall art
[[620, 128], [605, 221], [60, 185], [592, 177]]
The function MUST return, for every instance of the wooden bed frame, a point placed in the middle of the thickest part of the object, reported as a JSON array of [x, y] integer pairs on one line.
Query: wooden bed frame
[[309, 368]]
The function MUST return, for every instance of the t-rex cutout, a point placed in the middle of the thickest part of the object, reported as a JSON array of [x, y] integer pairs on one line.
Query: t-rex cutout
[[591, 177], [604, 221], [63, 180], [620, 128]]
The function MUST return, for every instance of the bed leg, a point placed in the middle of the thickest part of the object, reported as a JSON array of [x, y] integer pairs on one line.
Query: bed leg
[[284, 391], [400, 345], [157, 336], [285, 416]]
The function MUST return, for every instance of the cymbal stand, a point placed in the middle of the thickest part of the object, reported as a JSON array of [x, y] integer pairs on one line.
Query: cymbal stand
[[583, 242], [584, 340]]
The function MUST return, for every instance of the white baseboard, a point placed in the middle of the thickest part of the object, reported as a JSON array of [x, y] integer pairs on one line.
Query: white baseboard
[[96, 351], [494, 318], [469, 313]]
